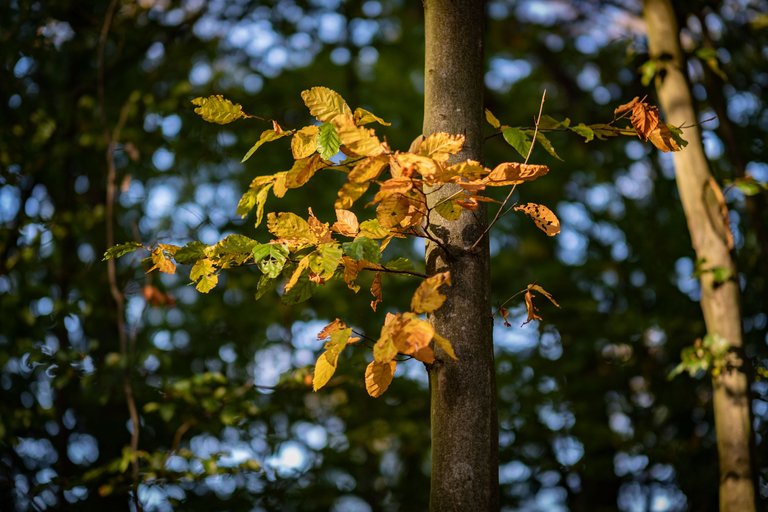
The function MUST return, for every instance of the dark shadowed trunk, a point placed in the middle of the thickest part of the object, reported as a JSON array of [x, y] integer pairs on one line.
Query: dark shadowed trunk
[[708, 229], [463, 392]]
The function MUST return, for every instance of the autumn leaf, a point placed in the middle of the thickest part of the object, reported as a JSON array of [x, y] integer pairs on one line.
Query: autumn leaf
[[667, 138], [372, 229], [384, 350], [157, 298], [349, 193], [514, 173], [361, 141], [376, 291], [304, 142], [427, 297], [492, 120], [469, 170], [411, 333], [302, 171], [378, 377], [325, 260], [368, 169], [445, 345], [362, 117], [161, 261], [266, 136], [530, 307], [352, 268], [325, 104], [440, 146], [504, 312], [346, 223], [320, 229], [217, 109], [329, 329], [449, 208], [542, 216], [290, 227], [423, 165], [324, 370], [120, 250], [425, 355], [298, 271]]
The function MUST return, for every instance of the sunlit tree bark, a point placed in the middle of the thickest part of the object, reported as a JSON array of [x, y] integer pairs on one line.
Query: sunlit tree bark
[[463, 393], [708, 229]]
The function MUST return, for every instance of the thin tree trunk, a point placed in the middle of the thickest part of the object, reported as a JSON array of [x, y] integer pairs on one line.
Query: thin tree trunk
[[463, 392], [708, 229]]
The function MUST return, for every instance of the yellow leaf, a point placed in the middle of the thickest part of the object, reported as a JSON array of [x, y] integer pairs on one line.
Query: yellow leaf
[[440, 146], [266, 136], [217, 109], [290, 227], [203, 275], [320, 229], [368, 169], [161, 261], [542, 216], [449, 209], [346, 224], [384, 350], [302, 171], [362, 117], [304, 142], [513, 173], [325, 104], [426, 167], [378, 377], [492, 120], [427, 297], [393, 211], [411, 333], [393, 186], [445, 345], [359, 140], [349, 193], [324, 370], [469, 170], [376, 291], [300, 268], [279, 188], [372, 229]]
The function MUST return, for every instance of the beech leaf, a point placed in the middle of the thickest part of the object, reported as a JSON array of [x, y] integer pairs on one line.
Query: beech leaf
[[492, 120], [445, 345], [427, 297], [324, 103], [121, 250], [217, 109], [543, 217], [304, 142], [363, 116], [376, 291], [328, 141], [346, 223], [266, 136], [378, 377], [518, 139]]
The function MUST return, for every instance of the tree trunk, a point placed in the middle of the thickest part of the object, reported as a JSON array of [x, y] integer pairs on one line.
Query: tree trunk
[[708, 230], [463, 392]]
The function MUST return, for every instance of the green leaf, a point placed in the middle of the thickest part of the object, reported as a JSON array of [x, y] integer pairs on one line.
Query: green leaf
[[235, 245], [121, 250], [677, 135], [217, 109], [190, 253], [328, 141], [266, 136], [301, 291], [548, 122], [518, 139], [583, 130], [401, 264], [362, 248], [270, 258], [648, 71], [448, 209], [372, 229], [546, 144], [265, 285], [325, 260]]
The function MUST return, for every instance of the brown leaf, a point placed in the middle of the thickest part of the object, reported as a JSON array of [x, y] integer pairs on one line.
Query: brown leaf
[[514, 173], [425, 355], [542, 216], [376, 291], [157, 298], [626, 107], [329, 329], [530, 307], [645, 119], [504, 312], [346, 224], [663, 139]]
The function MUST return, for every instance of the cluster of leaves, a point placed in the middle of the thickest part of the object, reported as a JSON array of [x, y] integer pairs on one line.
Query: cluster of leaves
[[306, 253], [708, 355]]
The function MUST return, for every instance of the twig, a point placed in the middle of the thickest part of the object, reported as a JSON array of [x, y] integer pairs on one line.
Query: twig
[[117, 295], [512, 190]]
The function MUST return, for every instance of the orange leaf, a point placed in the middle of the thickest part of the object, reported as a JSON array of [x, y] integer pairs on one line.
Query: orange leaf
[[378, 377], [346, 224], [626, 107], [427, 297], [351, 269], [320, 229], [161, 262], [530, 307], [410, 333], [426, 167], [645, 119], [542, 216], [440, 146], [663, 139], [445, 345], [425, 355], [513, 173], [302, 171], [331, 328], [376, 291]]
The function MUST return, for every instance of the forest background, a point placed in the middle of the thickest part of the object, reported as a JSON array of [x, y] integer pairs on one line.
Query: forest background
[[588, 417]]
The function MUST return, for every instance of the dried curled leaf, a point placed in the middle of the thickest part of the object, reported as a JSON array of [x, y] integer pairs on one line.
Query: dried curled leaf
[[376, 291], [378, 377], [217, 109], [543, 217], [363, 116], [514, 173], [530, 307]]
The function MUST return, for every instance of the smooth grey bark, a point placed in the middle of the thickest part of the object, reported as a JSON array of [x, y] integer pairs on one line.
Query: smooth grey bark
[[463, 393], [708, 230]]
